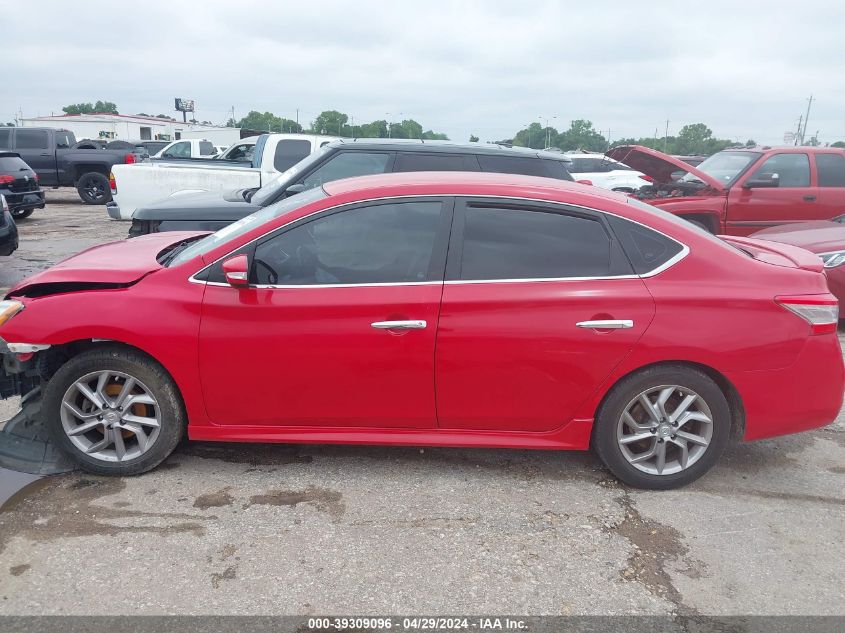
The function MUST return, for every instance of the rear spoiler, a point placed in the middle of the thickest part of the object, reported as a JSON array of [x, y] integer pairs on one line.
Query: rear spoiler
[[777, 253]]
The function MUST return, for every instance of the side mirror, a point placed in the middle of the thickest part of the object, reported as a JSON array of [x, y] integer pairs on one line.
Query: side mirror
[[294, 189], [585, 182], [236, 271], [763, 180]]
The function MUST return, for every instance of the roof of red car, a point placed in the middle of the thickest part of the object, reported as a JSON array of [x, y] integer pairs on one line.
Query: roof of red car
[[464, 183]]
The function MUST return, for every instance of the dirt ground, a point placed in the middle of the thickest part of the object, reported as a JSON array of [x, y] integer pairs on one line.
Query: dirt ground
[[247, 529]]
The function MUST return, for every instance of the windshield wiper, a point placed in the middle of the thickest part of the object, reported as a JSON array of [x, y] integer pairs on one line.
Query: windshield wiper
[[171, 255]]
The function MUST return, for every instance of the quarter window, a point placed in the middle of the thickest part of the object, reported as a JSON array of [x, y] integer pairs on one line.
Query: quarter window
[[31, 139], [386, 243], [347, 165], [512, 243], [793, 170], [512, 165], [645, 248], [831, 168]]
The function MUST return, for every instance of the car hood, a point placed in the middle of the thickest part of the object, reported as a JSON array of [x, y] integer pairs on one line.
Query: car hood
[[819, 237], [113, 265], [658, 165], [206, 205]]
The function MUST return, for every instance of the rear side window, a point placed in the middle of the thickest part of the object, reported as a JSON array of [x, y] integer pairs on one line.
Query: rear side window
[[647, 249], [5, 138], [63, 140], [512, 243], [585, 165], [347, 165], [290, 152], [31, 139], [831, 168], [432, 162], [206, 148], [11, 163], [512, 165], [557, 169]]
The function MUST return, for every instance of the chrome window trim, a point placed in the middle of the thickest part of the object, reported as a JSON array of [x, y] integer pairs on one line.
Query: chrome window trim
[[685, 250]]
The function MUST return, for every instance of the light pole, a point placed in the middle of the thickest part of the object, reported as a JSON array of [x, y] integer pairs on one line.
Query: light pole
[[548, 131], [387, 116]]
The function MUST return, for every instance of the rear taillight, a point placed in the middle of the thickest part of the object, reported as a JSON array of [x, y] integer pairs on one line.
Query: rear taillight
[[129, 159], [820, 311], [5, 180], [646, 178], [112, 183]]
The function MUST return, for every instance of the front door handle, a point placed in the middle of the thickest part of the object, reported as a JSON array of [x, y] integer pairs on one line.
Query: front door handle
[[399, 325], [612, 324], [809, 198]]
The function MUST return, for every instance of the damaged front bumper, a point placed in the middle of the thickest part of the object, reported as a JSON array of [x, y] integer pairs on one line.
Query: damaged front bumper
[[24, 443]]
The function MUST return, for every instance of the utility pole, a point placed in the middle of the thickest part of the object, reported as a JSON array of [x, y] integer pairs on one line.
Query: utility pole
[[666, 137], [806, 118], [798, 133], [297, 117]]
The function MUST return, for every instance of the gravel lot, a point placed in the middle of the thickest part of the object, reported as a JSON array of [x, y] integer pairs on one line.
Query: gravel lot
[[242, 529]]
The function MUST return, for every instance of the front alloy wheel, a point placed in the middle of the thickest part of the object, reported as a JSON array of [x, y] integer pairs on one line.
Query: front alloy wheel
[[111, 416], [114, 410]]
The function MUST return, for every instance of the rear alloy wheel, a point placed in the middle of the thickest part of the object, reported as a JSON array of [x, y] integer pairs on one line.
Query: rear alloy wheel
[[662, 428], [93, 188], [114, 411]]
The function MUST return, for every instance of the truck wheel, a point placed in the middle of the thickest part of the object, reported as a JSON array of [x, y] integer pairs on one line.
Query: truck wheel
[[20, 214], [93, 188]]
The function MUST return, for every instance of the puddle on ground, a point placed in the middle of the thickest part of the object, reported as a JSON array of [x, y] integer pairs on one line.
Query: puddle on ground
[[15, 485]]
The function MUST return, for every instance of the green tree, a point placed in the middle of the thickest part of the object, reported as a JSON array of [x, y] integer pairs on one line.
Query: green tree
[[473, 138], [838, 144], [330, 122], [91, 108], [268, 122], [581, 136], [534, 136]]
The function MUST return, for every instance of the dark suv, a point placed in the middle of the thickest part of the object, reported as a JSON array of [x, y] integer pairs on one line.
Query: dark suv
[[343, 159], [19, 185], [8, 230]]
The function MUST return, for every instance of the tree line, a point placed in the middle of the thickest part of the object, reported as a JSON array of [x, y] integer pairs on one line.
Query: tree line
[[334, 123]]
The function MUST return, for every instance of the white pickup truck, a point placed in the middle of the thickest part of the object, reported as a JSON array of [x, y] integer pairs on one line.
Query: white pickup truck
[[187, 148], [134, 186]]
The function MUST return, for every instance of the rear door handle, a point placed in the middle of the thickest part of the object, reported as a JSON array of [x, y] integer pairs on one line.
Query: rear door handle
[[612, 324], [399, 325], [809, 198]]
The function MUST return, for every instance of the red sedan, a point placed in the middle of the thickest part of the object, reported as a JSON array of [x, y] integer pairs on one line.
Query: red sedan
[[824, 238], [433, 309]]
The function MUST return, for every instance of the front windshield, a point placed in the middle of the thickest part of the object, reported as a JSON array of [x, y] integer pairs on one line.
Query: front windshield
[[724, 166], [235, 230], [268, 192]]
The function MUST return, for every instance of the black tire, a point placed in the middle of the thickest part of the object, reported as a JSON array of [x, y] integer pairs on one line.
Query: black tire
[[139, 366], [93, 188], [605, 442], [20, 214]]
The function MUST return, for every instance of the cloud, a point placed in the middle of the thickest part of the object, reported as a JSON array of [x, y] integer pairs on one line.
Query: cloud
[[482, 67]]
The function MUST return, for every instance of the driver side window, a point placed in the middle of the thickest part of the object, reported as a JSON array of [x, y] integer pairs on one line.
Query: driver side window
[[793, 170], [180, 150], [385, 243]]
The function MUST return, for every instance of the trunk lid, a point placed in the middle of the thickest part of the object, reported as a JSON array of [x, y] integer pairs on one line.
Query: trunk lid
[[116, 264], [658, 165], [776, 253]]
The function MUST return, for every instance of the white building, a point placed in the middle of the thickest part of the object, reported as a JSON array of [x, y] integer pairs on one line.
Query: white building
[[118, 126]]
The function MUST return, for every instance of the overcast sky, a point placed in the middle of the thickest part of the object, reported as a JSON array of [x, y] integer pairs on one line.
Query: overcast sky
[[479, 67]]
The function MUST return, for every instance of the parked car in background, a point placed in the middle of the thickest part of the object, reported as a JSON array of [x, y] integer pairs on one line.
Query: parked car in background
[[48, 151], [19, 186], [344, 159], [8, 229], [602, 171], [741, 191], [133, 186], [488, 311], [187, 148], [824, 238]]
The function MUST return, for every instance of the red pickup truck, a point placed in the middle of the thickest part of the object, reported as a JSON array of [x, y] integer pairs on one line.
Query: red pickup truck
[[741, 191]]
